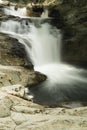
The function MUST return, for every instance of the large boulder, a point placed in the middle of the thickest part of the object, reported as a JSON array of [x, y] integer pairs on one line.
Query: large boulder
[[12, 52], [10, 75]]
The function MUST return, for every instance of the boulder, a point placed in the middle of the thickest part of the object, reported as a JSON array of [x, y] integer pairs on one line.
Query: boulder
[[10, 75], [12, 52]]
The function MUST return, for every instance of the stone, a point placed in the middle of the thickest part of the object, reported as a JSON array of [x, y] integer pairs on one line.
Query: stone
[[31, 116], [4, 111], [18, 118], [25, 109], [70, 17], [14, 52], [52, 123], [5, 105], [7, 124], [19, 77]]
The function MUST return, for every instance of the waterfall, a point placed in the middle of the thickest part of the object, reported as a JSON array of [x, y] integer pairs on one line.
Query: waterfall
[[21, 12], [44, 40], [43, 44], [10, 10], [1, 1], [45, 14]]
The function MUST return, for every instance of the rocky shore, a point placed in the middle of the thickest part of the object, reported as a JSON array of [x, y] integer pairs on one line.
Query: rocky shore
[[19, 114]]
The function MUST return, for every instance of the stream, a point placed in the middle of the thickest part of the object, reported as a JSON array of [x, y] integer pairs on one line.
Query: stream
[[65, 83]]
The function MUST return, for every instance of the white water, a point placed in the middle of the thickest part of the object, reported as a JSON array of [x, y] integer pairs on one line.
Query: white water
[[45, 14], [43, 45], [21, 12], [1, 1]]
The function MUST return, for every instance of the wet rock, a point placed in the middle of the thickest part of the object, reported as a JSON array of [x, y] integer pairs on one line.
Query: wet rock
[[1, 10], [35, 78], [34, 10], [75, 31], [70, 16], [12, 52]]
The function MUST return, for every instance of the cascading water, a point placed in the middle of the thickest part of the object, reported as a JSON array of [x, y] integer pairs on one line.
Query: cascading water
[[43, 44], [45, 14], [10, 10], [21, 12], [37, 37], [1, 1]]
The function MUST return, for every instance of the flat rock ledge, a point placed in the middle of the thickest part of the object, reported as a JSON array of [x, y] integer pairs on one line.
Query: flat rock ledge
[[19, 114], [11, 75]]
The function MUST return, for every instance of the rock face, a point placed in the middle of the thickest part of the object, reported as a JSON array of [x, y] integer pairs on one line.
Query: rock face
[[71, 18], [34, 10], [12, 52], [75, 31]]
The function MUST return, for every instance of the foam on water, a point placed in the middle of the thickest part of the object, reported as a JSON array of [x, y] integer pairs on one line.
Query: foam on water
[[44, 14], [62, 73], [1, 1]]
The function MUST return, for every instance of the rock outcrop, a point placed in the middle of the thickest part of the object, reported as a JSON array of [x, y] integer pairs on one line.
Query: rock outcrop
[[20, 114], [11, 75], [70, 16], [12, 52], [15, 68], [34, 10]]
